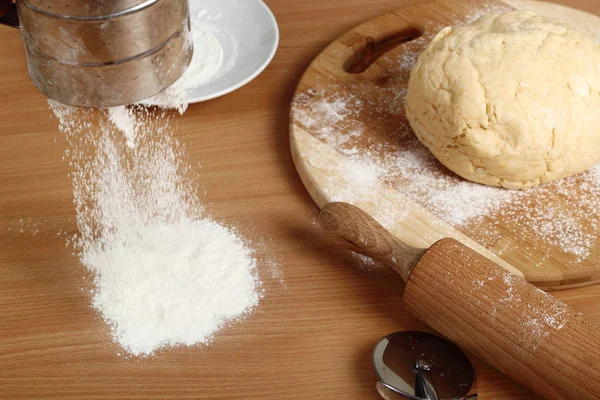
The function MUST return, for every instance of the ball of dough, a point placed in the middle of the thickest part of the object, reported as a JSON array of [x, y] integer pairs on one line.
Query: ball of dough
[[509, 100]]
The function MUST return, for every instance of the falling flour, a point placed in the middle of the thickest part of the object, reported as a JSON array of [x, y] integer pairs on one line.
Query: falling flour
[[124, 120], [165, 273], [562, 215], [174, 97]]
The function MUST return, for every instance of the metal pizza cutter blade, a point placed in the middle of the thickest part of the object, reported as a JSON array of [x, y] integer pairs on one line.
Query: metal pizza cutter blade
[[421, 366]]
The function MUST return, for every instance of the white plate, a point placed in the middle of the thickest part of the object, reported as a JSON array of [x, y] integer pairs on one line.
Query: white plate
[[248, 33]]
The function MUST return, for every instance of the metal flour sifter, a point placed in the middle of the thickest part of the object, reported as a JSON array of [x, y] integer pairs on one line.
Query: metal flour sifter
[[102, 53]]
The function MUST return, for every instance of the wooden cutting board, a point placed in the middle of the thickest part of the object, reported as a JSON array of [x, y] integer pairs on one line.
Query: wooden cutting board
[[362, 66]]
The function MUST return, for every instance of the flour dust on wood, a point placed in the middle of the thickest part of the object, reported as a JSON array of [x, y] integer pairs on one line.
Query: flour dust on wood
[[166, 274], [563, 215]]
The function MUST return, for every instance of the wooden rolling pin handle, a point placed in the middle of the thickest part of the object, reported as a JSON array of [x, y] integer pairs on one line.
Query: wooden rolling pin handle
[[352, 228], [512, 325]]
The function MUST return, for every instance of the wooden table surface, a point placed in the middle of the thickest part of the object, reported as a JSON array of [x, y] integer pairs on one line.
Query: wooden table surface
[[311, 337]]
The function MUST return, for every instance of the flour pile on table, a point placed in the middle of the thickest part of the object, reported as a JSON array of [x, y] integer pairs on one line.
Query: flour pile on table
[[165, 273]]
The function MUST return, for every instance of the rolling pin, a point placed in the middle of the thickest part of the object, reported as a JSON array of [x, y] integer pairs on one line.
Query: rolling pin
[[517, 328]]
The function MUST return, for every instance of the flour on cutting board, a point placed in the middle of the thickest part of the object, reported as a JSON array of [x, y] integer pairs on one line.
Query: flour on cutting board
[[165, 273], [569, 223]]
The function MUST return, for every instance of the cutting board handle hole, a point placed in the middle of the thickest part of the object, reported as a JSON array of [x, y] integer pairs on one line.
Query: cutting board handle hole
[[371, 50]]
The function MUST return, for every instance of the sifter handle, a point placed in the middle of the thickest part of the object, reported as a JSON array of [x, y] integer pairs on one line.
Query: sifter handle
[[8, 13]]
